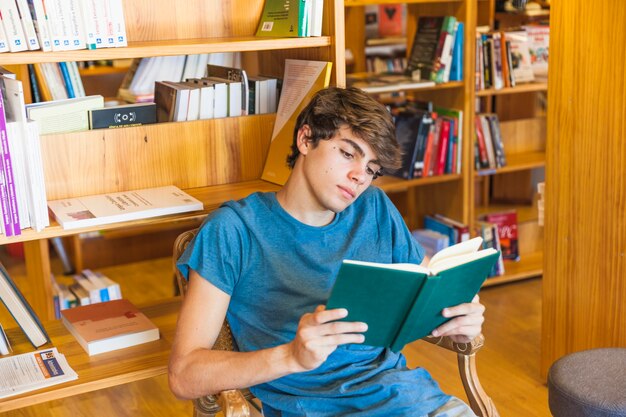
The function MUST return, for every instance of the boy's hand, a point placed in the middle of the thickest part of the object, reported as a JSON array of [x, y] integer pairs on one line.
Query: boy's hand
[[466, 324], [319, 334]]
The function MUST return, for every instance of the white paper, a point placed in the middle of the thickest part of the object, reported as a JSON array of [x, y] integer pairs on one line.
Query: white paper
[[33, 370]]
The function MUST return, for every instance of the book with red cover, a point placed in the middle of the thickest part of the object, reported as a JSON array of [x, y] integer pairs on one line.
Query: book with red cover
[[390, 20], [112, 325], [507, 231]]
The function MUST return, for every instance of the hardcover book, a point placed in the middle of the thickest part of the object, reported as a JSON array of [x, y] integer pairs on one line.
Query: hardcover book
[[108, 326], [95, 210], [301, 81], [21, 311], [403, 302], [507, 232], [284, 19], [122, 116], [423, 52]]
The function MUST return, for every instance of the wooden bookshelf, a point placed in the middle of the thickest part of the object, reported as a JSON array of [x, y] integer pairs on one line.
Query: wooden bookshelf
[[104, 370], [517, 162], [529, 266]]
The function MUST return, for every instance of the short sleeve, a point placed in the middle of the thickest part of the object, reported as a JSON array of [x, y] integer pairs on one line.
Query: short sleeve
[[216, 251]]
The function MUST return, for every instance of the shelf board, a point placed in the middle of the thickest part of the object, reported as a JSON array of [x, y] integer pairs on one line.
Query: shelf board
[[394, 184], [517, 162], [351, 3], [100, 371], [212, 197], [529, 266], [522, 88], [168, 47]]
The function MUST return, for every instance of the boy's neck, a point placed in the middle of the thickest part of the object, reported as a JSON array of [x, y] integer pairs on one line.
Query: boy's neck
[[296, 200]]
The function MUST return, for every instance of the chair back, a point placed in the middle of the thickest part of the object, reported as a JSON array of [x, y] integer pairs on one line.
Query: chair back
[[225, 339]]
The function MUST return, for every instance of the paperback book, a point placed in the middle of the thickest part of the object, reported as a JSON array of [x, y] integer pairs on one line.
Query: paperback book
[[108, 326], [96, 210], [403, 302]]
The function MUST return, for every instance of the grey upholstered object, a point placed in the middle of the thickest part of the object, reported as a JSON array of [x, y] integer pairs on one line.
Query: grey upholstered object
[[591, 383]]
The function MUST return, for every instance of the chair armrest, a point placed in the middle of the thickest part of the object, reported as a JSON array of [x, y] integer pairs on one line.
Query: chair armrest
[[461, 348], [232, 403]]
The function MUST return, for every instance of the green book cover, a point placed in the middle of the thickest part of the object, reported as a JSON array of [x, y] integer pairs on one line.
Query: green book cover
[[284, 18], [403, 302]]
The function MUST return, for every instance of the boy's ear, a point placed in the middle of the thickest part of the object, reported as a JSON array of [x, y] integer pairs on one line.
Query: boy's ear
[[304, 134]]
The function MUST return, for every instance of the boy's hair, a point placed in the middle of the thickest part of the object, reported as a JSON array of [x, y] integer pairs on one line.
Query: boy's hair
[[334, 107]]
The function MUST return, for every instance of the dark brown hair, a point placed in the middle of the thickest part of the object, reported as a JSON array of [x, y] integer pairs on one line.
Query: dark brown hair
[[334, 107]]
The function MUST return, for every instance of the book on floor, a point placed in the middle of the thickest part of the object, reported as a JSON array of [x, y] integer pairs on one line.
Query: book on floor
[[95, 210], [403, 302], [21, 311], [108, 326]]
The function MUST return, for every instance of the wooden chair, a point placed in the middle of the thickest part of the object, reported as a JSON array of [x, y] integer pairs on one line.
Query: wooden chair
[[233, 402]]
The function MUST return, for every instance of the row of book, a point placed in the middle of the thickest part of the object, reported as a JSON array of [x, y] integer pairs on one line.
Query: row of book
[[55, 81], [88, 287], [22, 185], [431, 140], [61, 25], [291, 19], [506, 58], [225, 92], [489, 147], [498, 230], [437, 50]]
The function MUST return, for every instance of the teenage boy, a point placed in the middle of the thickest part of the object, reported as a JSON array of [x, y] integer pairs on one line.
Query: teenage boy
[[267, 263]]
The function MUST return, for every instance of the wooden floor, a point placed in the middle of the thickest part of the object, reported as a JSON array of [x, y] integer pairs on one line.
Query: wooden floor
[[508, 365]]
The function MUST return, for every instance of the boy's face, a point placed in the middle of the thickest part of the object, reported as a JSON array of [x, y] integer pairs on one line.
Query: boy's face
[[337, 170]]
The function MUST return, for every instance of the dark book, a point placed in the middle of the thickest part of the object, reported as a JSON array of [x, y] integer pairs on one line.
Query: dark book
[[408, 125], [122, 116], [403, 302], [496, 138], [21, 311], [424, 49]]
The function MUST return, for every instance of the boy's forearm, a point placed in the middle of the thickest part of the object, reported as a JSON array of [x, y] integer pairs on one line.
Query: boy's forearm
[[204, 371]]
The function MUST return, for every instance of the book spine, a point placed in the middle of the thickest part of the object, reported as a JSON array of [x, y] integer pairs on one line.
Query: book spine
[[13, 226], [119, 25], [28, 25], [92, 24], [76, 27], [13, 26], [67, 80], [444, 140], [4, 41], [34, 86], [40, 21]]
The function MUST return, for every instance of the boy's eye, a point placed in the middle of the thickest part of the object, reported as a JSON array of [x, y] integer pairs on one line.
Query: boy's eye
[[370, 171], [346, 155]]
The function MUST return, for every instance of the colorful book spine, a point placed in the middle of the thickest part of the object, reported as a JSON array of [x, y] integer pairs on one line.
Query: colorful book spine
[[67, 80]]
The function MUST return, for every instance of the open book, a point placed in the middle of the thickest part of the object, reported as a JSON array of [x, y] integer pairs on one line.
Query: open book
[[403, 302]]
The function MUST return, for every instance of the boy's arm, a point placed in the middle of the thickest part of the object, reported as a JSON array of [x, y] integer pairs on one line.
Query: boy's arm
[[196, 370], [466, 324]]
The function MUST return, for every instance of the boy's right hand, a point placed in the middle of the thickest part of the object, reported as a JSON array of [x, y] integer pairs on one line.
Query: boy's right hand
[[319, 334]]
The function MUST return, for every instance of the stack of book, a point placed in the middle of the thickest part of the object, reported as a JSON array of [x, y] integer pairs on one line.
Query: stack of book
[[61, 25], [437, 51], [489, 147], [507, 58], [431, 140], [22, 193], [88, 287], [55, 81]]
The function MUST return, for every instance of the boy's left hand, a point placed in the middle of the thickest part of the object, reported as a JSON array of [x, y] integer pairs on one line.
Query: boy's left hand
[[466, 324]]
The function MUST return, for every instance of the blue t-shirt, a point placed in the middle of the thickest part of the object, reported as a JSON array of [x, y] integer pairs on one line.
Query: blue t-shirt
[[276, 268]]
